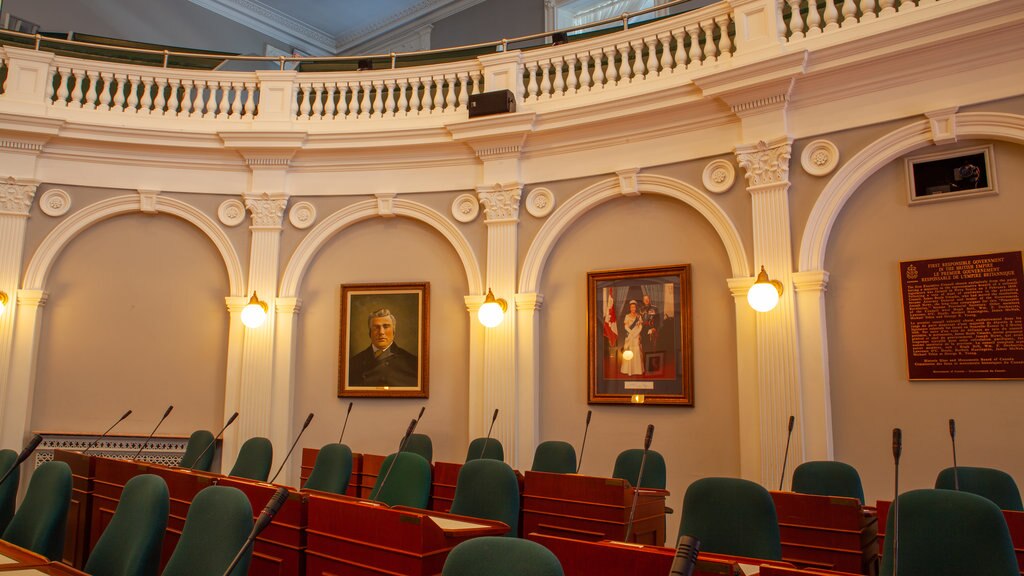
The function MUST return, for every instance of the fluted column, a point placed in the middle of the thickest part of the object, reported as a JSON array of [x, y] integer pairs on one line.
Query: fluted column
[[477, 426], [528, 338], [498, 387], [817, 396], [283, 393], [232, 439], [748, 392], [779, 387], [15, 200]]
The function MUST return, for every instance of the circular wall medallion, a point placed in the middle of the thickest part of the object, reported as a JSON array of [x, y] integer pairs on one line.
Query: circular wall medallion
[[55, 202], [719, 176], [231, 212], [820, 158], [465, 208], [540, 202], [302, 215]]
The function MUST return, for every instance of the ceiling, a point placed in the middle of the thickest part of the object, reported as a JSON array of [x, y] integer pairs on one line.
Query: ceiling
[[334, 26]]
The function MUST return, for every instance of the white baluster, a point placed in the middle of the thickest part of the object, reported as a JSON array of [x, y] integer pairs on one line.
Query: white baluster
[[796, 20], [378, 101], [343, 97], [450, 101], [888, 7], [463, 90], [625, 70], [63, 77], [665, 65], [652, 54], [118, 104], [545, 75], [573, 83], [414, 96], [695, 54], [146, 105], [187, 103], [710, 50], [478, 82], [305, 95], [160, 102], [639, 66], [91, 96], [437, 102], [330, 105], [133, 94], [585, 79], [611, 72], [680, 55], [403, 97], [389, 101], [103, 101], [210, 110], [532, 87], [724, 42], [813, 18], [831, 16], [318, 101], [236, 100], [867, 10], [849, 13], [78, 92], [599, 77], [53, 75], [558, 86], [365, 101], [224, 106], [174, 85]]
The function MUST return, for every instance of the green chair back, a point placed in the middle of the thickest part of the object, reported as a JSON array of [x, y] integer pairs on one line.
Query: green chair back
[[949, 532], [131, 543], [497, 556], [420, 444], [996, 485], [407, 485], [254, 460], [39, 524], [9, 489], [332, 470], [554, 456], [197, 443], [488, 489], [218, 523], [828, 478], [492, 449], [732, 516], [627, 467]]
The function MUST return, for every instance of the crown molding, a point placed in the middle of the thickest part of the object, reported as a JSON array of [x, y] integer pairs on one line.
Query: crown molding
[[402, 24], [273, 23]]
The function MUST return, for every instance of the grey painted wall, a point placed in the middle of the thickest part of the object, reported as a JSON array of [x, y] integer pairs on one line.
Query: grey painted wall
[[490, 20]]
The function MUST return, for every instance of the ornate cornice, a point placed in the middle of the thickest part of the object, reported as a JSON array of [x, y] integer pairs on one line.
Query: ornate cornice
[[267, 212], [501, 203], [16, 196], [273, 23], [766, 164]]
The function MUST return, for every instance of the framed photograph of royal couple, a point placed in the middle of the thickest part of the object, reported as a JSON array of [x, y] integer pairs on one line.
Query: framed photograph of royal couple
[[640, 348], [383, 349]]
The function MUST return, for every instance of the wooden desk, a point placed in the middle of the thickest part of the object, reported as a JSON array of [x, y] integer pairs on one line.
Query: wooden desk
[[17, 561], [281, 547], [76, 540], [360, 538], [444, 478], [827, 532], [591, 508]]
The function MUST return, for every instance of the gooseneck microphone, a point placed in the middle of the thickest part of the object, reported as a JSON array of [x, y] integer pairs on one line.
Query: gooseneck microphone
[[420, 415], [146, 443], [289, 454], [273, 505], [212, 442], [345, 425], [785, 456], [897, 450], [401, 446], [483, 449], [686, 556], [639, 479], [952, 437], [102, 436], [25, 453], [584, 445]]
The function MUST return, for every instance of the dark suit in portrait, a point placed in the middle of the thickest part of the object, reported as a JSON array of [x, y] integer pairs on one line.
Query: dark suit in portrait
[[394, 367]]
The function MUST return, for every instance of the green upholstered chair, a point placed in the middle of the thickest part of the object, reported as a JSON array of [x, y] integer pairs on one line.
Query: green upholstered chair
[[254, 459], [627, 467], [9, 489], [732, 516], [492, 450], [131, 543], [828, 478], [197, 444], [497, 556], [407, 485], [39, 523], [996, 485], [949, 532], [420, 444], [218, 523], [488, 489], [332, 470], [554, 456]]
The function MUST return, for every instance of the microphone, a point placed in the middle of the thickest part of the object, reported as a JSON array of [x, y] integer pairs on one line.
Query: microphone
[[288, 455], [686, 556], [273, 505], [483, 449], [584, 445], [146, 443], [897, 450], [29, 448], [401, 446], [211, 444], [422, 410], [639, 479], [345, 425], [785, 457], [93, 443], [952, 437]]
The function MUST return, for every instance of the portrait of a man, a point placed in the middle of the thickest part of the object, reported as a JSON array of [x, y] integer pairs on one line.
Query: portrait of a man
[[383, 348]]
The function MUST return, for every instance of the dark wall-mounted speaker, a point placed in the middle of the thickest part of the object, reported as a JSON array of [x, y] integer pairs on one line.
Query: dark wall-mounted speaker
[[487, 103]]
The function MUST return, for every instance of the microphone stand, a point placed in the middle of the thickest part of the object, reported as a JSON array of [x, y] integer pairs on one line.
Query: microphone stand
[[288, 455], [102, 436], [25, 453], [345, 425], [483, 449], [146, 443], [639, 480], [785, 457], [211, 444], [275, 503], [401, 446], [897, 450], [584, 445], [952, 437]]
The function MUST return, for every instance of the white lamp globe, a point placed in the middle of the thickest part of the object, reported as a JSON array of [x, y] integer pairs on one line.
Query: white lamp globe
[[763, 297], [255, 312], [3, 302], [627, 354], [490, 314]]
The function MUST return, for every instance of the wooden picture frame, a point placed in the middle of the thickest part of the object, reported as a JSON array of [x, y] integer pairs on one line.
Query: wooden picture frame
[[384, 345], [950, 175], [640, 336]]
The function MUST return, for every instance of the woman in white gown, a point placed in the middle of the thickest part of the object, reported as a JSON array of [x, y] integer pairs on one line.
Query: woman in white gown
[[634, 325]]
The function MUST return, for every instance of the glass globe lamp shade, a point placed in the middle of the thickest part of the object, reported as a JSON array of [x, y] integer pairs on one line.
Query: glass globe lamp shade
[[3, 302], [492, 311], [627, 354], [255, 312], [763, 296]]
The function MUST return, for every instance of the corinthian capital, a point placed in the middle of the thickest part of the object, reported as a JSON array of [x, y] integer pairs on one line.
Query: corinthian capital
[[266, 212], [16, 197], [501, 203], [764, 163]]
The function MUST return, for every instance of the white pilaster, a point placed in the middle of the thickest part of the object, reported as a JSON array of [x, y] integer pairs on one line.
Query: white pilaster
[[477, 423], [817, 397], [749, 392], [767, 167], [17, 407], [283, 393], [528, 388], [233, 439], [501, 206]]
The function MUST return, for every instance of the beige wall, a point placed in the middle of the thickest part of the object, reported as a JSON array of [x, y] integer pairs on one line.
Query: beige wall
[[870, 390], [135, 320]]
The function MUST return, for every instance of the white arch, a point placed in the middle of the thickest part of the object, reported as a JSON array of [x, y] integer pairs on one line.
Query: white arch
[[601, 192], [338, 221], [848, 179], [55, 242]]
